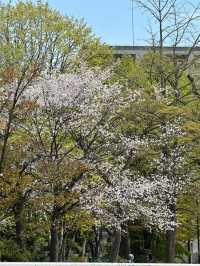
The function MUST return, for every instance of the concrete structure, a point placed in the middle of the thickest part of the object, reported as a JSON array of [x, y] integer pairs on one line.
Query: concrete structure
[[139, 51]]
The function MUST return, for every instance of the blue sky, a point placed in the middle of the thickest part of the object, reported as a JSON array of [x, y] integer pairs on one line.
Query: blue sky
[[109, 19]]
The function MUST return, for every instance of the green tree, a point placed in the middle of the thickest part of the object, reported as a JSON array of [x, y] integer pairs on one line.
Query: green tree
[[34, 38]]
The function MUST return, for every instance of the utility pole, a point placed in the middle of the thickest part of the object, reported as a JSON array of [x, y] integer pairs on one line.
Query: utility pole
[[132, 23]]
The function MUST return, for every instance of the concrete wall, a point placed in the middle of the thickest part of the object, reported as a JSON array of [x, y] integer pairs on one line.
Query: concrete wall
[[139, 51]]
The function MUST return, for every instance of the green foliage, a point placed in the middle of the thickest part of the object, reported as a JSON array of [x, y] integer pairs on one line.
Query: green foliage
[[10, 251], [181, 252], [130, 72], [35, 37]]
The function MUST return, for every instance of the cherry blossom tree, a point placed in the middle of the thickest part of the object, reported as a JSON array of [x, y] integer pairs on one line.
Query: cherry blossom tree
[[82, 157], [70, 132], [127, 196]]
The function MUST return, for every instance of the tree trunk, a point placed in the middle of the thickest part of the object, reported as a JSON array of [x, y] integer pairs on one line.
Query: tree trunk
[[198, 239], [84, 247], [95, 244], [19, 224], [170, 245], [189, 250], [54, 244], [62, 249], [116, 240], [5, 140], [125, 243], [61, 243]]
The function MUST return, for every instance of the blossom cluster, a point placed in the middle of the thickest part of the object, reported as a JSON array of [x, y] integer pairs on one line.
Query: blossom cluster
[[75, 117]]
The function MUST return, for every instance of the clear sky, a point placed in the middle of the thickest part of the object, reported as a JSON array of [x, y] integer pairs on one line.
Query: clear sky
[[111, 20]]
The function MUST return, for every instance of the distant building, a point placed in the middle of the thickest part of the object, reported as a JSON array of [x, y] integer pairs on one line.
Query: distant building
[[138, 52]]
